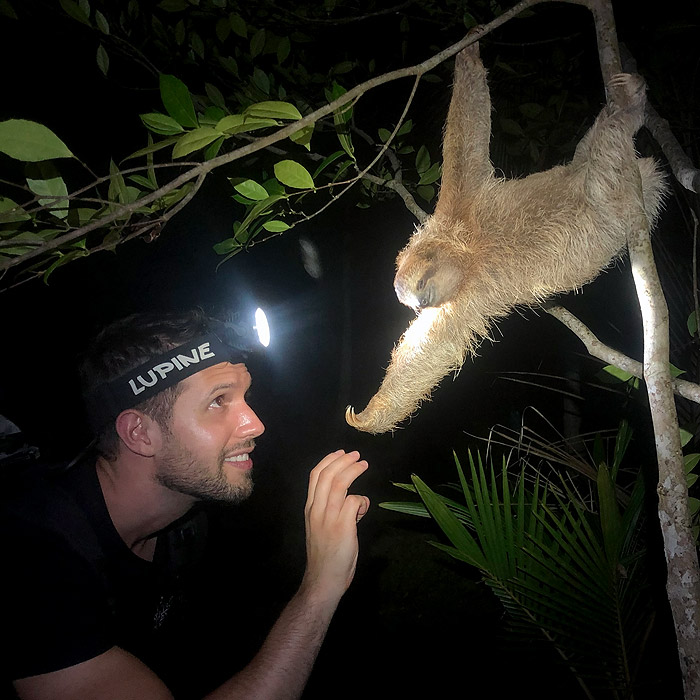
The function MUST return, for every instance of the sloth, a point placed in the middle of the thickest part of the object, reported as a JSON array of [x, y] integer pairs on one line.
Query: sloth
[[494, 244]]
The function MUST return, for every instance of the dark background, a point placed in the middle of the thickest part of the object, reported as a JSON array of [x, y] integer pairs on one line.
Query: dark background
[[413, 624]]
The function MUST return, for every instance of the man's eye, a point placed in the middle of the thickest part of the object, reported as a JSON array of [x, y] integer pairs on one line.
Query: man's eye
[[219, 401]]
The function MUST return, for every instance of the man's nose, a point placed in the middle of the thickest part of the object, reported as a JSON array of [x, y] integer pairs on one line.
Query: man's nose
[[249, 425]]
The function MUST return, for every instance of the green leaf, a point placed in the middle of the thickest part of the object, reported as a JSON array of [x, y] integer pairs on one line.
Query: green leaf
[[102, 59], [212, 150], [152, 148], [238, 25], [30, 142], [693, 324], [275, 226], [405, 128], [177, 100], [11, 212], [180, 33], [197, 44], [7, 10], [194, 140], [102, 23], [52, 191], [252, 190], [690, 461], [510, 126], [432, 174], [694, 505], [239, 123], [292, 174], [327, 161], [531, 110], [261, 81], [427, 192], [214, 94], [422, 160], [161, 124], [273, 110], [384, 134], [283, 49], [257, 43], [75, 11], [686, 437], [225, 247], [172, 5], [303, 136], [618, 373], [143, 181], [675, 372], [223, 29]]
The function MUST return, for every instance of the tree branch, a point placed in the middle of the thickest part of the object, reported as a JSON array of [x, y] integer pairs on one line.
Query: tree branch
[[596, 348]]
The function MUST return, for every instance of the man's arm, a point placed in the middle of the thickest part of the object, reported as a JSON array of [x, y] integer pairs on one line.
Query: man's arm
[[280, 669]]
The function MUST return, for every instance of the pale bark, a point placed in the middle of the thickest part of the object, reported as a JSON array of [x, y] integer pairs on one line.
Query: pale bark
[[683, 571]]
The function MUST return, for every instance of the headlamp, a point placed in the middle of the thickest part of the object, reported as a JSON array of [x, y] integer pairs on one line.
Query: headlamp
[[225, 342]]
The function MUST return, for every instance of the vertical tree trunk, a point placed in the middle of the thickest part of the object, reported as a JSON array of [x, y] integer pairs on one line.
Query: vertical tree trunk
[[683, 571]]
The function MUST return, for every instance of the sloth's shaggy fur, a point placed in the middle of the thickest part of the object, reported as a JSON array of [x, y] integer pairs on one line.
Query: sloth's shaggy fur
[[493, 244]]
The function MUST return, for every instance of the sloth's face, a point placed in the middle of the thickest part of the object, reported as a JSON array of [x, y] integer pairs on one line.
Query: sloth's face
[[424, 280]]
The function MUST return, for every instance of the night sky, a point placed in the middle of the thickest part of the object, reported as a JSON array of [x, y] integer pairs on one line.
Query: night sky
[[332, 337]]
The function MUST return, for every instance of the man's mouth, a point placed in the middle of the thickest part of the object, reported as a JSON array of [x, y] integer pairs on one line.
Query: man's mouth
[[240, 461]]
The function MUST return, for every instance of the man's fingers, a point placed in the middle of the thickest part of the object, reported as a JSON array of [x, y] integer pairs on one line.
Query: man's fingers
[[316, 471], [354, 508], [336, 474]]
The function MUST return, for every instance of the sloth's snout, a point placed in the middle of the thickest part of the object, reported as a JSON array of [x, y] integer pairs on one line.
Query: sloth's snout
[[421, 294]]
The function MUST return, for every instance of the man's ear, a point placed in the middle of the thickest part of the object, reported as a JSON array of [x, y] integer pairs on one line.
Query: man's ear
[[139, 433]]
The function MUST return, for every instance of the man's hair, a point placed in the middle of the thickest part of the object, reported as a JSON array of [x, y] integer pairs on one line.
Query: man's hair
[[129, 343]]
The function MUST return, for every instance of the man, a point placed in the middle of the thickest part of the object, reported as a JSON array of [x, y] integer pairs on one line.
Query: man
[[84, 581]]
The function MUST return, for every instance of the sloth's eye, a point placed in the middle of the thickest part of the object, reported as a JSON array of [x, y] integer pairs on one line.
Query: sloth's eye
[[420, 284]]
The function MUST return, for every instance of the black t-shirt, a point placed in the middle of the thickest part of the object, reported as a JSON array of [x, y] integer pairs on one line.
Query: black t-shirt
[[72, 589]]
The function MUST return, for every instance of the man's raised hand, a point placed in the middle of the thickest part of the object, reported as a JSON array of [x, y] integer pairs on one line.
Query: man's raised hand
[[331, 524]]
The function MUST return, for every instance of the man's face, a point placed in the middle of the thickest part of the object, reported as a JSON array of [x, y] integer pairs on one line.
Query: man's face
[[206, 448]]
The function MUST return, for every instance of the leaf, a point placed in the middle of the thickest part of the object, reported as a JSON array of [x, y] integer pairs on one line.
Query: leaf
[[177, 100], [224, 247], [531, 110], [405, 128], [52, 191], [257, 43], [102, 23], [239, 123], [212, 150], [223, 29], [675, 372], [283, 49], [30, 142], [427, 192], [273, 110], [152, 148], [7, 10], [510, 126], [252, 190], [161, 124], [694, 505], [327, 161], [172, 5], [275, 226], [214, 94], [618, 373], [384, 134], [75, 11], [292, 174], [194, 140], [303, 136], [11, 212], [102, 59], [261, 81], [693, 324], [432, 174], [690, 461], [686, 437], [422, 160], [238, 25]]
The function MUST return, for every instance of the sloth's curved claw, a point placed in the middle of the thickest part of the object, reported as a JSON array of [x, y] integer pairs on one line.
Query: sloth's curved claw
[[351, 418]]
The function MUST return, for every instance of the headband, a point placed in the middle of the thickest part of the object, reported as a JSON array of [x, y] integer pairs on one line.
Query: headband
[[108, 400]]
